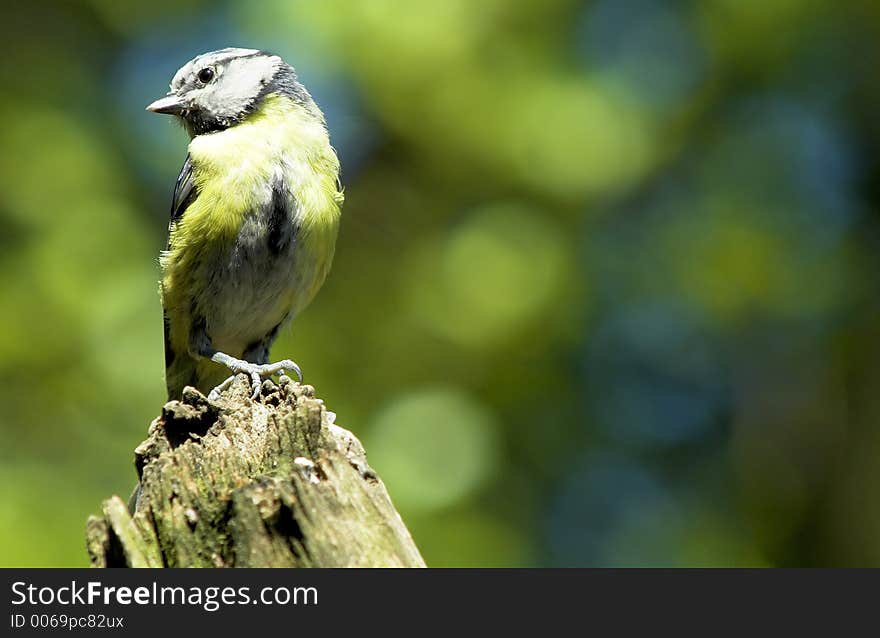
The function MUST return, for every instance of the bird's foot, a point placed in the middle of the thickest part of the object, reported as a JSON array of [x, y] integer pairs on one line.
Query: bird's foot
[[256, 371]]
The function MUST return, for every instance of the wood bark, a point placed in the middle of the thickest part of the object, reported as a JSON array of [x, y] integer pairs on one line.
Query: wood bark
[[241, 483]]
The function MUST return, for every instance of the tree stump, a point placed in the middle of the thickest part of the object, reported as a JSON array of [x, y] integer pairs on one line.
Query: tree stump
[[241, 483]]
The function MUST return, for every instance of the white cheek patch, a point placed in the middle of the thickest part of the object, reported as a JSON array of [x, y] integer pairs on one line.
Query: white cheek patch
[[241, 81]]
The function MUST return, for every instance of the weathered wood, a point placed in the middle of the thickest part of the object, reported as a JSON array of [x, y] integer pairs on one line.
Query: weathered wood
[[242, 483]]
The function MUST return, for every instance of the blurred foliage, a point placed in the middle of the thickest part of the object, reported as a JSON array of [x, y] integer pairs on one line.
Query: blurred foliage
[[607, 283]]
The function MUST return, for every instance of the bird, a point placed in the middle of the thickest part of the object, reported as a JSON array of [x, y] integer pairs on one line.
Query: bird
[[254, 217]]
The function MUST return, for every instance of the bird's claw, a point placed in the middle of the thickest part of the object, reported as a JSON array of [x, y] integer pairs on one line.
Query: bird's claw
[[256, 371], [214, 394]]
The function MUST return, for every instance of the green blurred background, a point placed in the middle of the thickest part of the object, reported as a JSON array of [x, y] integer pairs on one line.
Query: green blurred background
[[606, 289]]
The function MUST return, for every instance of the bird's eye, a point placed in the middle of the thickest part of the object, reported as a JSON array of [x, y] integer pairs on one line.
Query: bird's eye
[[205, 75]]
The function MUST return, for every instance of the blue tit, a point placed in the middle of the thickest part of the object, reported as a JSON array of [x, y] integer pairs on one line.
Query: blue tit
[[254, 217]]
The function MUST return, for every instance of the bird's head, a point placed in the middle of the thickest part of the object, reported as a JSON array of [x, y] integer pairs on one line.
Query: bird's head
[[219, 89]]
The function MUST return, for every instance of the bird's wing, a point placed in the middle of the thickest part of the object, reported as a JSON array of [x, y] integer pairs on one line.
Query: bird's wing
[[184, 192]]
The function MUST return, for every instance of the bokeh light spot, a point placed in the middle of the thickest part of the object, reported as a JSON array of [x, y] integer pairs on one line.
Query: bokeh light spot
[[433, 448], [491, 276]]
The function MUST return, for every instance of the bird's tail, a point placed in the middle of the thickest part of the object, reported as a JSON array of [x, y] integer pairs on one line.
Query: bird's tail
[[202, 374], [180, 372]]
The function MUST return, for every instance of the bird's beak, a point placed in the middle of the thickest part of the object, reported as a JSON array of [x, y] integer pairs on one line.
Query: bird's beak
[[170, 104]]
